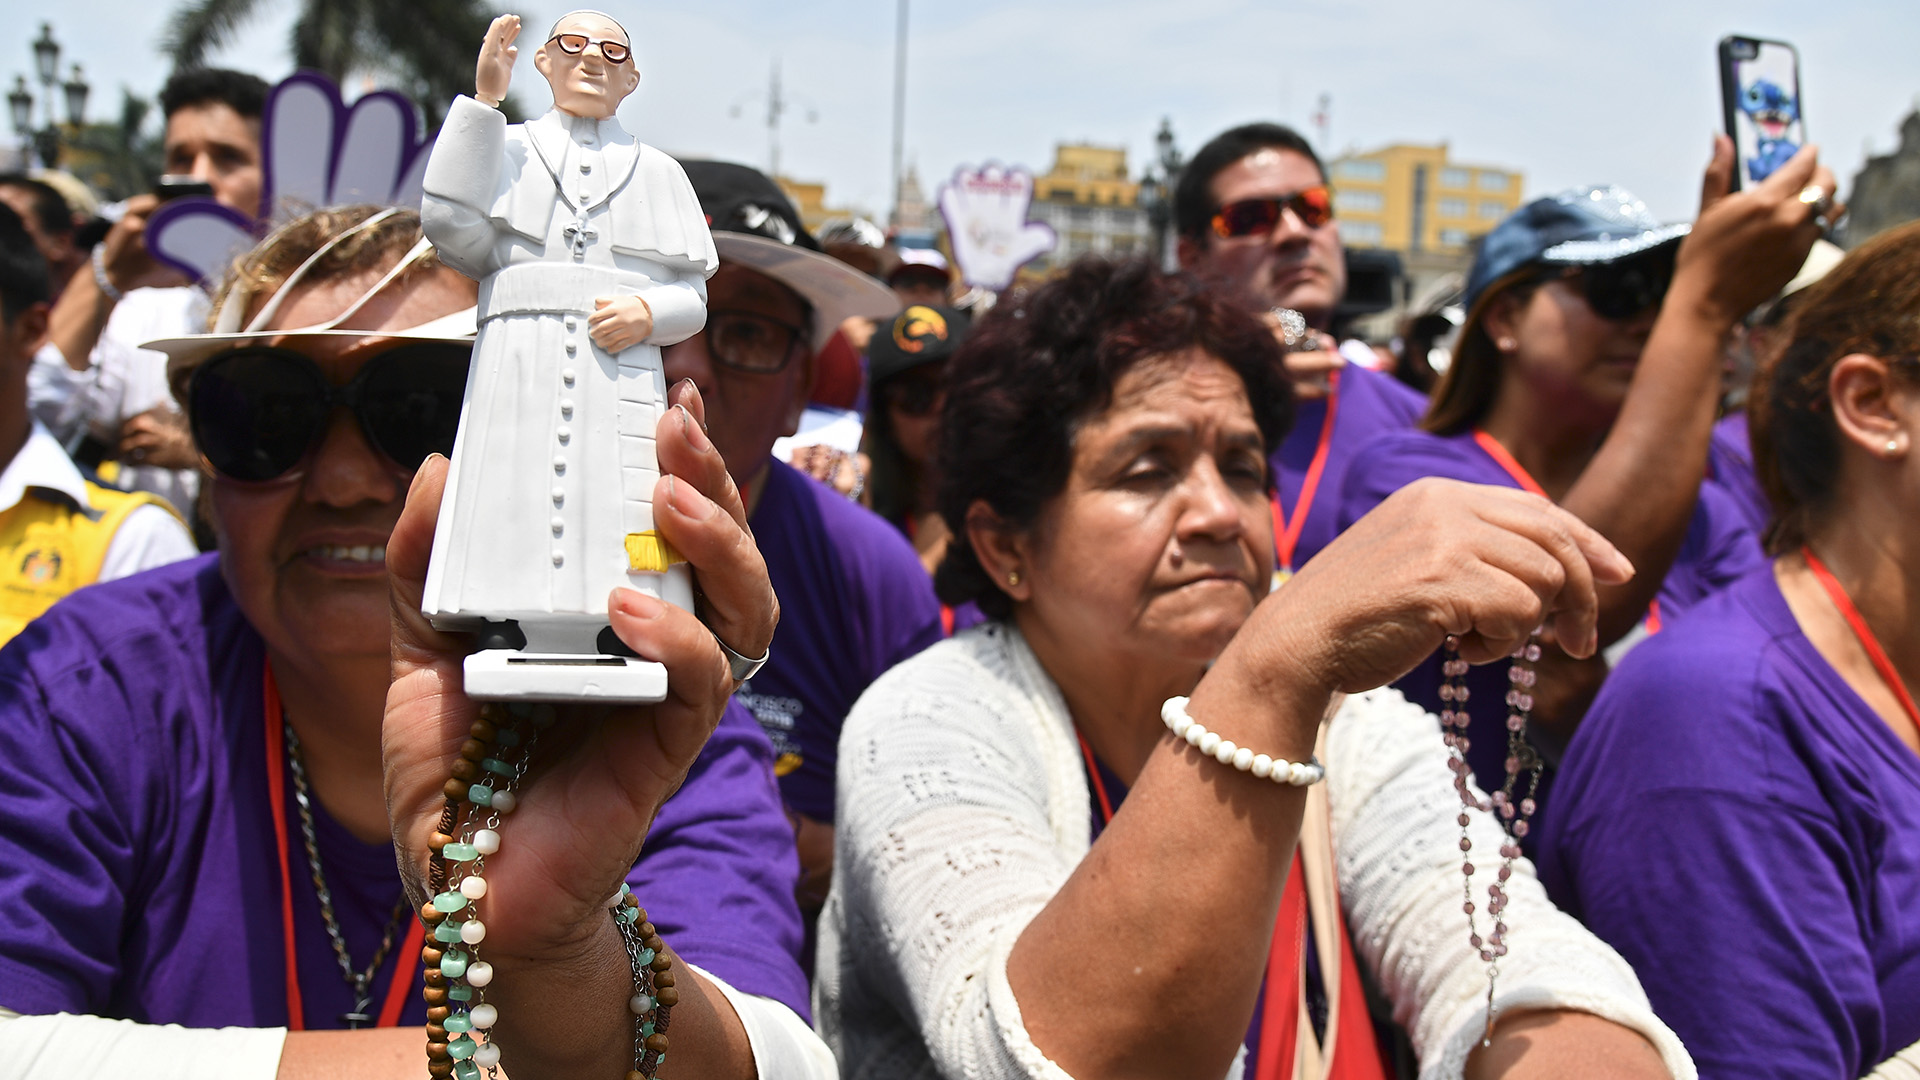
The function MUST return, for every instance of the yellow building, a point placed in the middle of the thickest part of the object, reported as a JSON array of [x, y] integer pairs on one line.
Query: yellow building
[[1091, 205], [1411, 198], [810, 202], [1089, 175]]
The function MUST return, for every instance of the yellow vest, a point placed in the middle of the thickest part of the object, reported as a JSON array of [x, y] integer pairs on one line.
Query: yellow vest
[[49, 547]]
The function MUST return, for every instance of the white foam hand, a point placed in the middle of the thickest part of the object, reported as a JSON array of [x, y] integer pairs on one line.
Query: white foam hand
[[986, 214], [317, 151]]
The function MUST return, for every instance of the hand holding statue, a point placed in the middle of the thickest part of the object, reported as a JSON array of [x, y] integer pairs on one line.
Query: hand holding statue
[[494, 73]]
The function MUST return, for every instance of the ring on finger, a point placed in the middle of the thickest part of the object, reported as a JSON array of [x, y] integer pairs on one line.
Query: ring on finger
[[1816, 199], [742, 667]]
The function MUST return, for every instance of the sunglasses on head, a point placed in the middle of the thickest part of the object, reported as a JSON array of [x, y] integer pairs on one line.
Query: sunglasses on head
[[915, 393], [575, 44], [1625, 288], [258, 413], [1257, 217]]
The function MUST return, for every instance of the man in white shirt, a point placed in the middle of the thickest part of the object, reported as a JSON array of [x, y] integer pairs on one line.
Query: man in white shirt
[[115, 393], [58, 532]]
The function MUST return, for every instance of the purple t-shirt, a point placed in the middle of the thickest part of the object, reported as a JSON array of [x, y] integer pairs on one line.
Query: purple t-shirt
[[1738, 823], [1718, 548], [854, 601], [1730, 467], [1370, 403], [139, 873]]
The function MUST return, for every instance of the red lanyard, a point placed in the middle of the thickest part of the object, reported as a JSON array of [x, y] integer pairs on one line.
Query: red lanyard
[[1525, 479], [1864, 632], [1505, 460], [277, 794], [1286, 534]]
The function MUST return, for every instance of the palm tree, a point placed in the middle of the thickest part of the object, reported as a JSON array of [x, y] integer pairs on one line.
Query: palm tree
[[426, 48]]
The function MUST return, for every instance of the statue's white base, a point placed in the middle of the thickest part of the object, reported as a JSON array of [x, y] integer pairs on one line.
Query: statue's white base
[[508, 675]]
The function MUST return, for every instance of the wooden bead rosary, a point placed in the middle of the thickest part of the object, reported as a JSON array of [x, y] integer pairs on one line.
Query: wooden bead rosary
[[481, 791]]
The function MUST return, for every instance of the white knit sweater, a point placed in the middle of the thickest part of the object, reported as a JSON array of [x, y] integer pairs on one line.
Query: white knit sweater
[[963, 808]]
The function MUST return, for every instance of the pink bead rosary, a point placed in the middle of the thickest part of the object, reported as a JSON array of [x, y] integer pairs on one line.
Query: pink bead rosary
[[1513, 814]]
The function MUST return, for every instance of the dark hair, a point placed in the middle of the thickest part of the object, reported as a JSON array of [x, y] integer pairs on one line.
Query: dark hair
[[889, 474], [23, 270], [1039, 365], [243, 93], [1869, 303], [50, 209], [1193, 205], [1472, 380]]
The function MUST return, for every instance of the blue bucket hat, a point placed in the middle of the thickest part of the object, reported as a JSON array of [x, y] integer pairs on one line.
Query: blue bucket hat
[[1579, 227]]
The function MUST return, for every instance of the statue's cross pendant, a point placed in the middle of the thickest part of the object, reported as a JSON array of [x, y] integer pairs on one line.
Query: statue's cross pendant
[[578, 234]]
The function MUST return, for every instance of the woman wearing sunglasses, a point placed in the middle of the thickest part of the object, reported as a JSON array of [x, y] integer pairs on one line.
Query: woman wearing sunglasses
[[202, 805], [1588, 372], [907, 363], [1744, 798]]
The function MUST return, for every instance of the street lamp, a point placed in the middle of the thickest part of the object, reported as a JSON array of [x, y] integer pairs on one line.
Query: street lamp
[[1156, 191], [76, 89], [20, 104], [46, 61], [46, 55]]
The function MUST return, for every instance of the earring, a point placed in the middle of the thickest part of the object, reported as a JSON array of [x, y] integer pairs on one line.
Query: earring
[[1013, 578], [1507, 344], [1893, 446]]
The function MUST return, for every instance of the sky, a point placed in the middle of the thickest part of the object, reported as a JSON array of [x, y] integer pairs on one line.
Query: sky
[[1624, 92]]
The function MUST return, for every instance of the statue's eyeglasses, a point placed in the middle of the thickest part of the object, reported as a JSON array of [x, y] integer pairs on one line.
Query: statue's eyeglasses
[[575, 44]]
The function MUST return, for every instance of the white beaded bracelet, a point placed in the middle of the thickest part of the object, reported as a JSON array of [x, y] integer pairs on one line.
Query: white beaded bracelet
[[1279, 770], [100, 278]]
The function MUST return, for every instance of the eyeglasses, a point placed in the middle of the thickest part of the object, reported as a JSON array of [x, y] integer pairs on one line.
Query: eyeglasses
[[750, 342], [1257, 217], [915, 393], [258, 413], [1621, 290], [575, 44]]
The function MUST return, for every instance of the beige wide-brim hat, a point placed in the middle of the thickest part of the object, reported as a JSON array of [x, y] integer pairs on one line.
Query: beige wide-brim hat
[[187, 352], [835, 290]]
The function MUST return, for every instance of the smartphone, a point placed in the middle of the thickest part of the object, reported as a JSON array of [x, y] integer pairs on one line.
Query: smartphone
[[1760, 97], [175, 186]]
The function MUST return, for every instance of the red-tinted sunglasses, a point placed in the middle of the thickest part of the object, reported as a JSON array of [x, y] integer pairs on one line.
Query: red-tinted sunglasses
[[1256, 217]]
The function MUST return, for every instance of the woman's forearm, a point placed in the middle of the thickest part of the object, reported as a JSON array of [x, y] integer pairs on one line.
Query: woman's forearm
[[1639, 490], [1148, 962], [1561, 1044], [568, 1017]]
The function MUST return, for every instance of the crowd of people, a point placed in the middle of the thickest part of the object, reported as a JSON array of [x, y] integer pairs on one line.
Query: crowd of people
[[1157, 690]]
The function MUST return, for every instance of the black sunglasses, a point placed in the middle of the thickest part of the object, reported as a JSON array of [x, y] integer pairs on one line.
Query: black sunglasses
[[257, 413], [915, 393], [1621, 290]]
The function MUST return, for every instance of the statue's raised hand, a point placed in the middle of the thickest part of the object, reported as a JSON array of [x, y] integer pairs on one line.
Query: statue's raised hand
[[494, 73]]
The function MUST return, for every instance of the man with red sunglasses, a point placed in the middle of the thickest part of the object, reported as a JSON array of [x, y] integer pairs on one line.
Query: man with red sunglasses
[[1254, 213]]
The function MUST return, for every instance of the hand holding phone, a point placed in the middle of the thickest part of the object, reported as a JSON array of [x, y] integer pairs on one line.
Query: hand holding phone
[[176, 186], [1760, 102]]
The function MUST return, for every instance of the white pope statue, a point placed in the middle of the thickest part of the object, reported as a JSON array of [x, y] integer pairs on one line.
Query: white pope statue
[[592, 252]]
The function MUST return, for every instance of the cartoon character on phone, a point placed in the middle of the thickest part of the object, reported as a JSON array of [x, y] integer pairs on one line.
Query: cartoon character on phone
[[1761, 102], [1773, 112]]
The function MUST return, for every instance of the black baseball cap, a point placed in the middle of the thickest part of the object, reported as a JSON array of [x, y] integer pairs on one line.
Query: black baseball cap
[[921, 334], [755, 225]]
